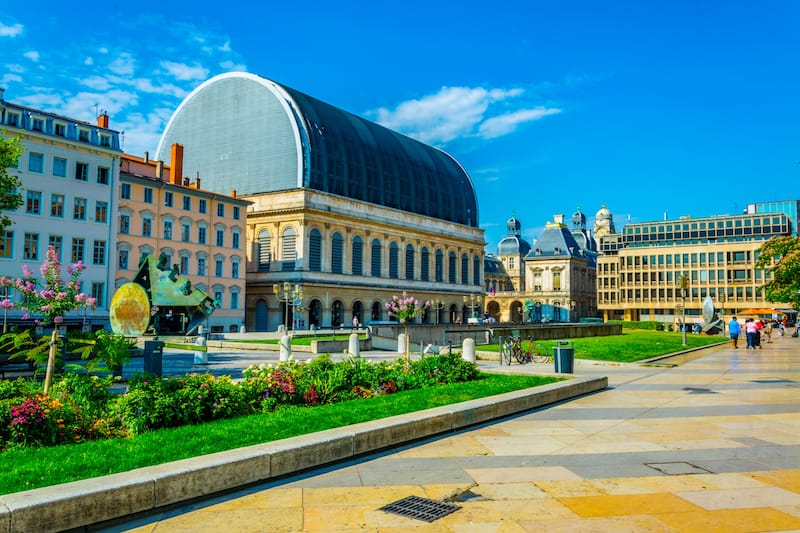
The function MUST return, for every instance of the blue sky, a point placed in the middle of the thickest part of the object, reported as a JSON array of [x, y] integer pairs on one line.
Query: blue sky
[[650, 107]]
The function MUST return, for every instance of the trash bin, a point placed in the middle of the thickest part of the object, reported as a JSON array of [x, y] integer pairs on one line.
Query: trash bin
[[153, 357], [564, 356]]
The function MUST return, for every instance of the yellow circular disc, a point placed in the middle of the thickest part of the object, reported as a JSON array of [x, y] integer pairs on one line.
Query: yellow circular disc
[[130, 310]]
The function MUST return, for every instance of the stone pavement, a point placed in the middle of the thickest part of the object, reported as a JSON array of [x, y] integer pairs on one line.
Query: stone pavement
[[710, 445]]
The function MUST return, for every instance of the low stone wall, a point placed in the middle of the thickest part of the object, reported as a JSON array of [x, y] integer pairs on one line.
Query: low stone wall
[[482, 334]]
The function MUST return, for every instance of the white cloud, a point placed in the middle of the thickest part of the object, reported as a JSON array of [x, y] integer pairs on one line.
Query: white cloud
[[15, 67], [10, 78], [505, 124], [124, 64], [232, 66], [11, 31], [33, 55], [147, 85], [183, 72], [89, 61], [97, 83], [456, 112]]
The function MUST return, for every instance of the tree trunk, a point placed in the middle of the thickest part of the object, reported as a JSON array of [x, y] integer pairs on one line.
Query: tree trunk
[[51, 361]]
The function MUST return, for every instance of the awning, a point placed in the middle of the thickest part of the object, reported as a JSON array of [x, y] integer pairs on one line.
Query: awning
[[759, 311]]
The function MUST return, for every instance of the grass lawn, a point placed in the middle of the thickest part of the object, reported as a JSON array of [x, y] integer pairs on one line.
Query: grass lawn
[[29, 468], [631, 346]]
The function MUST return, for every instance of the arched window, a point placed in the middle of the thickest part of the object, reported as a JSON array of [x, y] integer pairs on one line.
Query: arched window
[[393, 259], [451, 267], [424, 259], [337, 314], [288, 250], [264, 251], [377, 310], [336, 253], [476, 270], [315, 250], [439, 266], [260, 323], [314, 313], [376, 263], [409, 262], [464, 269], [358, 258]]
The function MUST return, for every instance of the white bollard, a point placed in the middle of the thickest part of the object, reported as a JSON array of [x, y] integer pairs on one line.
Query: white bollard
[[353, 347], [468, 350], [286, 348], [241, 329], [401, 343], [200, 358]]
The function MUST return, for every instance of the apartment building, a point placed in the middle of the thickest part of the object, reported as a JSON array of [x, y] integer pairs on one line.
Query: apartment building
[[199, 232], [69, 171]]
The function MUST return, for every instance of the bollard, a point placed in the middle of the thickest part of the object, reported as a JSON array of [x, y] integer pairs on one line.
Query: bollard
[[353, 347], [401, 343], [200, 357], [242, 329], [468, 350], [286, 348]]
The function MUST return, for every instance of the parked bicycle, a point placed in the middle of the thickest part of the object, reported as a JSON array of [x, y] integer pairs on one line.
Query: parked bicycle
[[515, 349]]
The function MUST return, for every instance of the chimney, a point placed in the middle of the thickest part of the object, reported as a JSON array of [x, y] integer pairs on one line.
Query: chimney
[[102, 120], [197, 181], [176, 164], [146, 157], [2, 92], [233, 193], [159, 169]]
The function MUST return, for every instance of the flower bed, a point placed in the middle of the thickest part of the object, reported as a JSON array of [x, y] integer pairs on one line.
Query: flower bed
[[80, 407]]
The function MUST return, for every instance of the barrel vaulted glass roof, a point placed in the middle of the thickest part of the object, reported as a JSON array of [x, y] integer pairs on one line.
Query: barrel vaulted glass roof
[[245, 132]]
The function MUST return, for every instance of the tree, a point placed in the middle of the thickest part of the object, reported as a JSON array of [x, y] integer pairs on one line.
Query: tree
[[10, 184], [780, 258]]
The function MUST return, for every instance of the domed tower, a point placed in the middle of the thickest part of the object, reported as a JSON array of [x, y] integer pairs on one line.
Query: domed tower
[[604, 223], [582, 236], [511, 251], [578, 220]]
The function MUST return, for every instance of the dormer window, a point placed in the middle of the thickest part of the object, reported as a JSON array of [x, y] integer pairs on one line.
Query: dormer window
[[105, 141], [37, 124], [60, 129], [13, 119], [83, 135]]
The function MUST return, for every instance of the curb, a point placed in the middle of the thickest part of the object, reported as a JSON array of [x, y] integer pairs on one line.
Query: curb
[[93, 501]]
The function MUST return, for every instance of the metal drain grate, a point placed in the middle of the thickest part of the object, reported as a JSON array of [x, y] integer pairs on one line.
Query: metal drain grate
[[420, 508], [678, 468]]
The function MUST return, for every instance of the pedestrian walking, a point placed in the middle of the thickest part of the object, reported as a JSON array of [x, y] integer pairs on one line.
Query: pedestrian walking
[[751, 330], [734, 329]]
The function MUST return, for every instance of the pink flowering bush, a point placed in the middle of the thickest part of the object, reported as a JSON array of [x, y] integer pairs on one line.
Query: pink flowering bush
[[52, 296], [405, 308]]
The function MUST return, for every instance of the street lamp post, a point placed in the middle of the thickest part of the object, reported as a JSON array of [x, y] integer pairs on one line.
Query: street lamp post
[[438, 305], [572, 305], [683, 285], [721, 298], [473, 302], [289, 296]]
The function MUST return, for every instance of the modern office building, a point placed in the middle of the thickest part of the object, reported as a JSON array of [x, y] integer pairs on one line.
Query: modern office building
[[198, 232], [69, 171], [639, 274], [345, 213]]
